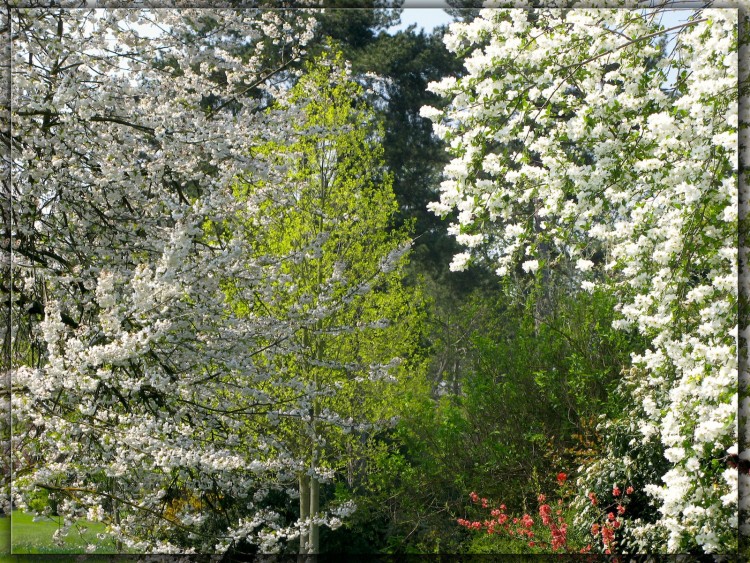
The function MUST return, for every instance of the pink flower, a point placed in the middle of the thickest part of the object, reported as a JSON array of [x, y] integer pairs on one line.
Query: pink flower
[[592, 496], [629, 491], [545, 512], [559, 536], [616, 491]]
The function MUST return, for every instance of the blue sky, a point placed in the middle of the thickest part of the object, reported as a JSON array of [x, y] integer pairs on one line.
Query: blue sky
[[423, 13]]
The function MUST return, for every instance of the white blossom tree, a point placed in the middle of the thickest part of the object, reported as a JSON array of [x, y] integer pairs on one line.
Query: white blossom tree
[[140, 396], [573, 133]]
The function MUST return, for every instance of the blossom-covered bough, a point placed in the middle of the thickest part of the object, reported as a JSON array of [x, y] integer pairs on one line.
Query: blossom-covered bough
[[607, 140], [140, 397]]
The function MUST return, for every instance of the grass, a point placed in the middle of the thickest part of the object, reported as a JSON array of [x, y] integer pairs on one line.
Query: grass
[[36, 537], [4, 535]]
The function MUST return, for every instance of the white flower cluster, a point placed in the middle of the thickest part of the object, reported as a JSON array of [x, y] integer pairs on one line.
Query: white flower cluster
[[572, 129], [142, 375], [165, 357]]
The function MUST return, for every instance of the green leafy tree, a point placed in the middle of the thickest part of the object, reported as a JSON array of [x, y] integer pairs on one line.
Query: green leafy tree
[[396, 68], [357, 345]]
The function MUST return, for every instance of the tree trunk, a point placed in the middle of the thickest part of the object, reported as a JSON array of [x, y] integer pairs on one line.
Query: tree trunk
[[314, 543], [115, 511], [304, 509]]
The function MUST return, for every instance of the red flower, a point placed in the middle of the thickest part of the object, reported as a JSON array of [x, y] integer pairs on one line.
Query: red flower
[[559, 536], [620, 509], [616, 491], [561, 477], [545, 511], [473, 496], [629, 490], [594, 529], [541, 498], [592, 496], [611, 516]]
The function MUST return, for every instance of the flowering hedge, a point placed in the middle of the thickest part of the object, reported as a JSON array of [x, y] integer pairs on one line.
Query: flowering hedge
[[577, 138]]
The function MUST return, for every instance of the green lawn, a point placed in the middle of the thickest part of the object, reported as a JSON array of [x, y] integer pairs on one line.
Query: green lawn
[[36, 537], [4, 535]]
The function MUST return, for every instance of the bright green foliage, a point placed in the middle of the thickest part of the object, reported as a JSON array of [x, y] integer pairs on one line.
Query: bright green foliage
[[342, 267], [400, 66], [521, 405]]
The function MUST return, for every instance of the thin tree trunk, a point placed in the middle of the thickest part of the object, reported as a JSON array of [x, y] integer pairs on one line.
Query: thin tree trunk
[[314, 543], [542, 298], [316, 346], [304, 509], [115, 511]]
